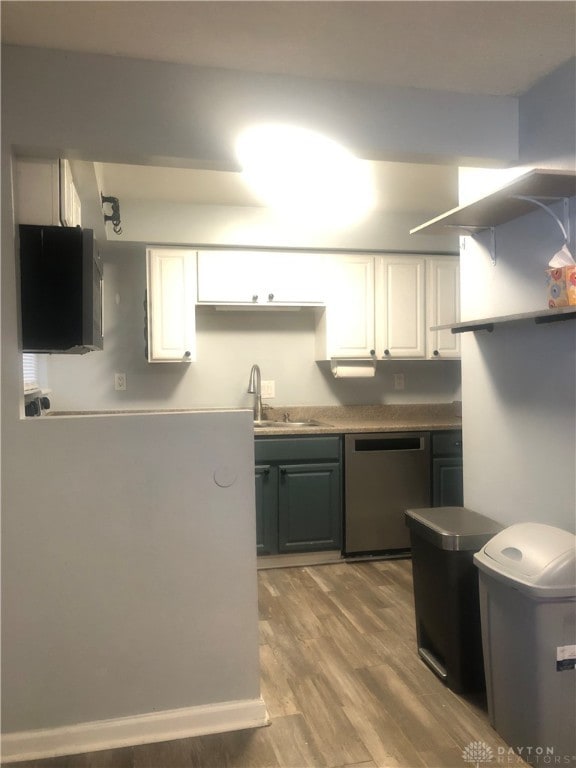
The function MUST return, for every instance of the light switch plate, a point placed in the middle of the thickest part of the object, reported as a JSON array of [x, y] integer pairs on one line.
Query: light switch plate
[[268, 389]]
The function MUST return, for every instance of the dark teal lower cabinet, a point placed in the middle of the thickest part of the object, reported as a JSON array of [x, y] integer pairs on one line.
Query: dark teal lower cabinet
[[309, 517], [266, 519], [448, 485], [447, 480], [298, 495]]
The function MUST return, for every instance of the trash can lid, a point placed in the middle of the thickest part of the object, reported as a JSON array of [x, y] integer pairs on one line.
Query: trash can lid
[[537, 559], [454, 528]]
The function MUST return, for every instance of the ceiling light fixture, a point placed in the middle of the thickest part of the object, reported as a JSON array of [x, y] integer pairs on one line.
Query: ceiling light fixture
[[305, 175]]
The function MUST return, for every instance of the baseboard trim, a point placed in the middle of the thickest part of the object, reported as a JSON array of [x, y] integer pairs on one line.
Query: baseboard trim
[[130, 731], [299, 559]]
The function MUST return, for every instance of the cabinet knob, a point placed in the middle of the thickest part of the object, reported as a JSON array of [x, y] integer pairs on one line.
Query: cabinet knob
[[187, 353], [436, 353], [270, 297], [255, 297], [372, 352], [387, 352]]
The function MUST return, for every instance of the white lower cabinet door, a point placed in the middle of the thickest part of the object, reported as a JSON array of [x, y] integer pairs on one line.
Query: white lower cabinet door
[[400, 306], [171, 303], [346, 328], [443, 306]]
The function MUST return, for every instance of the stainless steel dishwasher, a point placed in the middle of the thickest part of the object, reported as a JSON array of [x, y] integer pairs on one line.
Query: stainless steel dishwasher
[[385, 474]]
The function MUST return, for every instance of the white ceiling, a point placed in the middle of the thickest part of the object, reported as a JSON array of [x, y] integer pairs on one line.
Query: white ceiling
[[492, 47]]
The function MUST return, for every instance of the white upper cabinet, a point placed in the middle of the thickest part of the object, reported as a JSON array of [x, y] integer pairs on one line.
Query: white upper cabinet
[[346, 328], [37, 191], [70, 207], [400, 306], [171, 302], [45, 193], [380, 307], [442, 306], [260, 278]]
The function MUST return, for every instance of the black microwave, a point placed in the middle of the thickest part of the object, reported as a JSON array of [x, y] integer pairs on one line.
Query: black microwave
[[60, 290]]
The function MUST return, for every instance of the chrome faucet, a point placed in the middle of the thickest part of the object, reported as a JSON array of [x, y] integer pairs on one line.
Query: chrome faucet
[[255, 388]]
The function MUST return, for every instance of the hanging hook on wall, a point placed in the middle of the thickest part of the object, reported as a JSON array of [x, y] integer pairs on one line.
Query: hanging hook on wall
[[114, 217]]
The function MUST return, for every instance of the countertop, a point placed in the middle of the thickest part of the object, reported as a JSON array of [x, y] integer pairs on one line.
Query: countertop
[[343, 419], [336, 419]]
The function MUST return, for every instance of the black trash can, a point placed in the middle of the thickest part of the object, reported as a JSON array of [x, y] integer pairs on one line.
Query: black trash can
[[448, 629]]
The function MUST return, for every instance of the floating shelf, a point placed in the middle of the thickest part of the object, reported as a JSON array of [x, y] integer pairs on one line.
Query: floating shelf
[[488, 323], [502, 206]]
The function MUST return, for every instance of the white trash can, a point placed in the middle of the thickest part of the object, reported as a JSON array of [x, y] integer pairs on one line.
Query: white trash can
[[528, 618]]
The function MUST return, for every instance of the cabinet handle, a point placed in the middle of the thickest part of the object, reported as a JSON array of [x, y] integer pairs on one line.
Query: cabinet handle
[[283, 471], [270, 297], [436, 353], [458, 444], [255, 297], [387, 352]]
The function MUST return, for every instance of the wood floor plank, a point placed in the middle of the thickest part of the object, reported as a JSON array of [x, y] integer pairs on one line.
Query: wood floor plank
[[275, 688], [389, 746], [295, 744], [411, 712], [369, 764], [106, 758], [338, 742], [241, 749]]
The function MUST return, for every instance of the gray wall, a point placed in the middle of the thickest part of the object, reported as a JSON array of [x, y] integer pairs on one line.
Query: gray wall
[[519, 383]]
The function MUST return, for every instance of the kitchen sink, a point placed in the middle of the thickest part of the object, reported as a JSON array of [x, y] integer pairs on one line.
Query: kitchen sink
[[270, 424]]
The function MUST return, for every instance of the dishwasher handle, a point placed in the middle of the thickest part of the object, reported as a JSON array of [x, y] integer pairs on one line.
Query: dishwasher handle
[[384, 444]]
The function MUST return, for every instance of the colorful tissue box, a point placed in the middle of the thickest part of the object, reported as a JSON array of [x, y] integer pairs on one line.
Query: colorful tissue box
[[561, 284]]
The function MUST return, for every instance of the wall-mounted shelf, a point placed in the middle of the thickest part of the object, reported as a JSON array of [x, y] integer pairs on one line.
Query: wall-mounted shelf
[[488, 323], [503, 205]]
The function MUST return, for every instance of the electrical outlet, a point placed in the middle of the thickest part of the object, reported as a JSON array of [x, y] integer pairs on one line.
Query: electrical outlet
[[268, 389], [119, 382], [398, 381]]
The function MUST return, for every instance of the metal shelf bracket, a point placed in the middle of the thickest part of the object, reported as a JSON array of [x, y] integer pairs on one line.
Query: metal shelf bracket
[[564, 227], [472, 231]]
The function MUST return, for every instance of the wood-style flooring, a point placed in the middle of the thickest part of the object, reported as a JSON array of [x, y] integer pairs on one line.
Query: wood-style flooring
[[342, 681]]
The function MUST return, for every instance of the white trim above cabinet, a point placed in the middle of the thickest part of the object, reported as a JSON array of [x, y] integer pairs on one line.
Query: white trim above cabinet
[[260, 278], [171, 305]]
